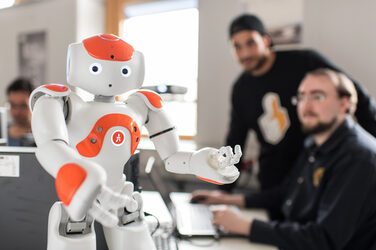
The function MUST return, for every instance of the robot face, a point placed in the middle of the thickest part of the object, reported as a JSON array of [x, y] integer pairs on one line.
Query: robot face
[[99, 76]]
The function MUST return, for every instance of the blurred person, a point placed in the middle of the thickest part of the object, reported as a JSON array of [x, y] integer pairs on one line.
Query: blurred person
[[328, 203], [19, 130], [261, 100]]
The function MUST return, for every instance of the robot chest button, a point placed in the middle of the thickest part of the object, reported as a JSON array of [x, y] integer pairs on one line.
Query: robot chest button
[[118, 138]]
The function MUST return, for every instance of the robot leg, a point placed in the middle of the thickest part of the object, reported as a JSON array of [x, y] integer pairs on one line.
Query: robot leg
[[64, 234], [133, 236], [132, 233]]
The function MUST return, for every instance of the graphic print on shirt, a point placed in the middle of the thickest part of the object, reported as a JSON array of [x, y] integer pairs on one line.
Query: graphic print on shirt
[[274, 122], [317, 176]]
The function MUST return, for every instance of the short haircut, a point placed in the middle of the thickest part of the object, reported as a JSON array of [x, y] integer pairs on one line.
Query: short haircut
[[20, 84], [248, 22], [345, 87]]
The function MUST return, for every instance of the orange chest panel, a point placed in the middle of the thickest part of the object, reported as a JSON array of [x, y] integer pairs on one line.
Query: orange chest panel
[[92, 144]]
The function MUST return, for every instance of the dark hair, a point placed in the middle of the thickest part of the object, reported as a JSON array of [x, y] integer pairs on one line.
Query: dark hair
[[20, 84], [248, 22]]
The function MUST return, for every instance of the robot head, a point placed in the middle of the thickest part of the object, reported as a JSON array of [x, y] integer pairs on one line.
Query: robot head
[[105, 65]]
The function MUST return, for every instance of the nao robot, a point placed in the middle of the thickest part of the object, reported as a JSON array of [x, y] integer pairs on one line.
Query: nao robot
[[85, 145]]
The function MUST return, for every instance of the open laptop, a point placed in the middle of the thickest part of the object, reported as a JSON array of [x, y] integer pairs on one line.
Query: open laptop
[[190, 219]]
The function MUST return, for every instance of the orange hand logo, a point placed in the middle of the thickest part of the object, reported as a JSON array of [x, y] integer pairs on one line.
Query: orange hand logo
[[274, 122], [278, 114]]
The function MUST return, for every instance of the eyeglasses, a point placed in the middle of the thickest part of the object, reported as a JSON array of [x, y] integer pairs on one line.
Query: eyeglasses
[[313, 98]]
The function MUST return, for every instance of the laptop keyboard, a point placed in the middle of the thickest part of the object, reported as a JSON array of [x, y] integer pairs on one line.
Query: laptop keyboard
[[164, 241], [201, 217], [196, 217]]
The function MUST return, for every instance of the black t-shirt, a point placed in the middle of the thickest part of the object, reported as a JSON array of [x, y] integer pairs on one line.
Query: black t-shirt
[[264, 104]]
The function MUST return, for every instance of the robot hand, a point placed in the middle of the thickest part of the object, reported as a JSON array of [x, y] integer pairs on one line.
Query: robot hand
[[104, 208], [216, 166], [224, 157]]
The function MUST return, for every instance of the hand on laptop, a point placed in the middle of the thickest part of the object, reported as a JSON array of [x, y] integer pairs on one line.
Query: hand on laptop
[[226, 219], [217, 197]]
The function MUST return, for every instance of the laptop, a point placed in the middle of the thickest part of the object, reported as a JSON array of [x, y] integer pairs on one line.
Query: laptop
[[189, 219]]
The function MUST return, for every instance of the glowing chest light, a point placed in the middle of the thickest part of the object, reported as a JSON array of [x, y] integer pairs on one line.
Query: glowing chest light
[[92, 144]]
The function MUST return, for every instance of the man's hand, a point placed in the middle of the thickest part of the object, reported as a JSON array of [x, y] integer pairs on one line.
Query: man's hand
[[217, 197], [227, 219], [209, 197]]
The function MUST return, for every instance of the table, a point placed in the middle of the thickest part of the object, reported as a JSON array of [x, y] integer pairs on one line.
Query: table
[[154, 204]]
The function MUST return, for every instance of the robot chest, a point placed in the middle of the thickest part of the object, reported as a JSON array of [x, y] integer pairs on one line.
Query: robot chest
[[106, 133]]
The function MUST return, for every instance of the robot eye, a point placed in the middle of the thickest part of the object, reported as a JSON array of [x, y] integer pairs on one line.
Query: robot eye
[[125, 71], [95, 68]]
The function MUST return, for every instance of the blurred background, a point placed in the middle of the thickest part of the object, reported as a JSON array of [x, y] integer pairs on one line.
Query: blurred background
[[186, 44]]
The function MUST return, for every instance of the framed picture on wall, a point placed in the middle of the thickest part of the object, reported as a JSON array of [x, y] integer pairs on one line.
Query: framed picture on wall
[[32, 54], [286, 34]]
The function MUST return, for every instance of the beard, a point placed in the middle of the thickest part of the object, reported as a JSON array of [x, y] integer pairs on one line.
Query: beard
[[319, 128], [260, 63]]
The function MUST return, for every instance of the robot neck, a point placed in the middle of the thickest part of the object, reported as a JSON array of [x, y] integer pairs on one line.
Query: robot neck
[[102, 98]]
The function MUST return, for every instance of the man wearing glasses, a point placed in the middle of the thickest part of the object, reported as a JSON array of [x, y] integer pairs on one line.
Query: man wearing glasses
[[329, 200], [261, 100], [19, 130]]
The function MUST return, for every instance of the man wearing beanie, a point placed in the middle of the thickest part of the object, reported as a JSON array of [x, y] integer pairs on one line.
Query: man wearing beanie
[[261, 101]]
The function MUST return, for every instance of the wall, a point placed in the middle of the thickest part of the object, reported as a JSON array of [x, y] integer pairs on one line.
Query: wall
[[56, 18], [343, 30], [65, 21], [218, 69]]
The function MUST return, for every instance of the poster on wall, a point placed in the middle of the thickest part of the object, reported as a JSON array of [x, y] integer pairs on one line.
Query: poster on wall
[[286, 34], [32, 54]]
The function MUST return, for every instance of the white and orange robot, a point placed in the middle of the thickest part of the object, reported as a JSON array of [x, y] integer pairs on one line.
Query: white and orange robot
[[85, 145]]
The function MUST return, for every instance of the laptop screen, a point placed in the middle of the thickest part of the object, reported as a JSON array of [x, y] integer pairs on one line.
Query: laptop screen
[[155, 176]]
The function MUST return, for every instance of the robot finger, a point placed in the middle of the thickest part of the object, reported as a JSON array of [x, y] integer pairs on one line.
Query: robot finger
[[113, 200], [106, 218], [226, 156], [127, 188], [138, 198], [238, 153]]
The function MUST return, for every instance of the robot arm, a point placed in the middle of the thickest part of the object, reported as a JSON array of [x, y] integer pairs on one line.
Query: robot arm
[[79, 182], [208, 164]]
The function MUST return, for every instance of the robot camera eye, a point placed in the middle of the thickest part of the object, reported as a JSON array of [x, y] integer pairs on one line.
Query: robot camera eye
[[95, 68], [125, 71]]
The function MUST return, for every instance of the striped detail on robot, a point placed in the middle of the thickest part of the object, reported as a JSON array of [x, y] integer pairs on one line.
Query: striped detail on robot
[[68, 181], [208, 180], [56, 87], [153, 98], [108, 47], [92, 144]]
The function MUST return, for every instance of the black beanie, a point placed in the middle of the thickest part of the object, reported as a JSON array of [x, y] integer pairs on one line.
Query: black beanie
[[247, 22]]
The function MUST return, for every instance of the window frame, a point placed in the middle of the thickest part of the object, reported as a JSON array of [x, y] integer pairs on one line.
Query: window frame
[[115, 17]]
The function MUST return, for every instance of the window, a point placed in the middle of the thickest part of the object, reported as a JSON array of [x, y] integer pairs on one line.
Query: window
[[166, 32], [6, 3]]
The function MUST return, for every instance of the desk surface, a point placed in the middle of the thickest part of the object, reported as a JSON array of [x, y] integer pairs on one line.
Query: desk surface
[[153, 203]]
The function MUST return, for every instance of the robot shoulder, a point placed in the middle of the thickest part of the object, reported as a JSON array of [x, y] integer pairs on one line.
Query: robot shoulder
[[152, 100], [53, 90]]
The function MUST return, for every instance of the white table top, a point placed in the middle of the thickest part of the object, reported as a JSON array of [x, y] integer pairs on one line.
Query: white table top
[[153, 203]]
